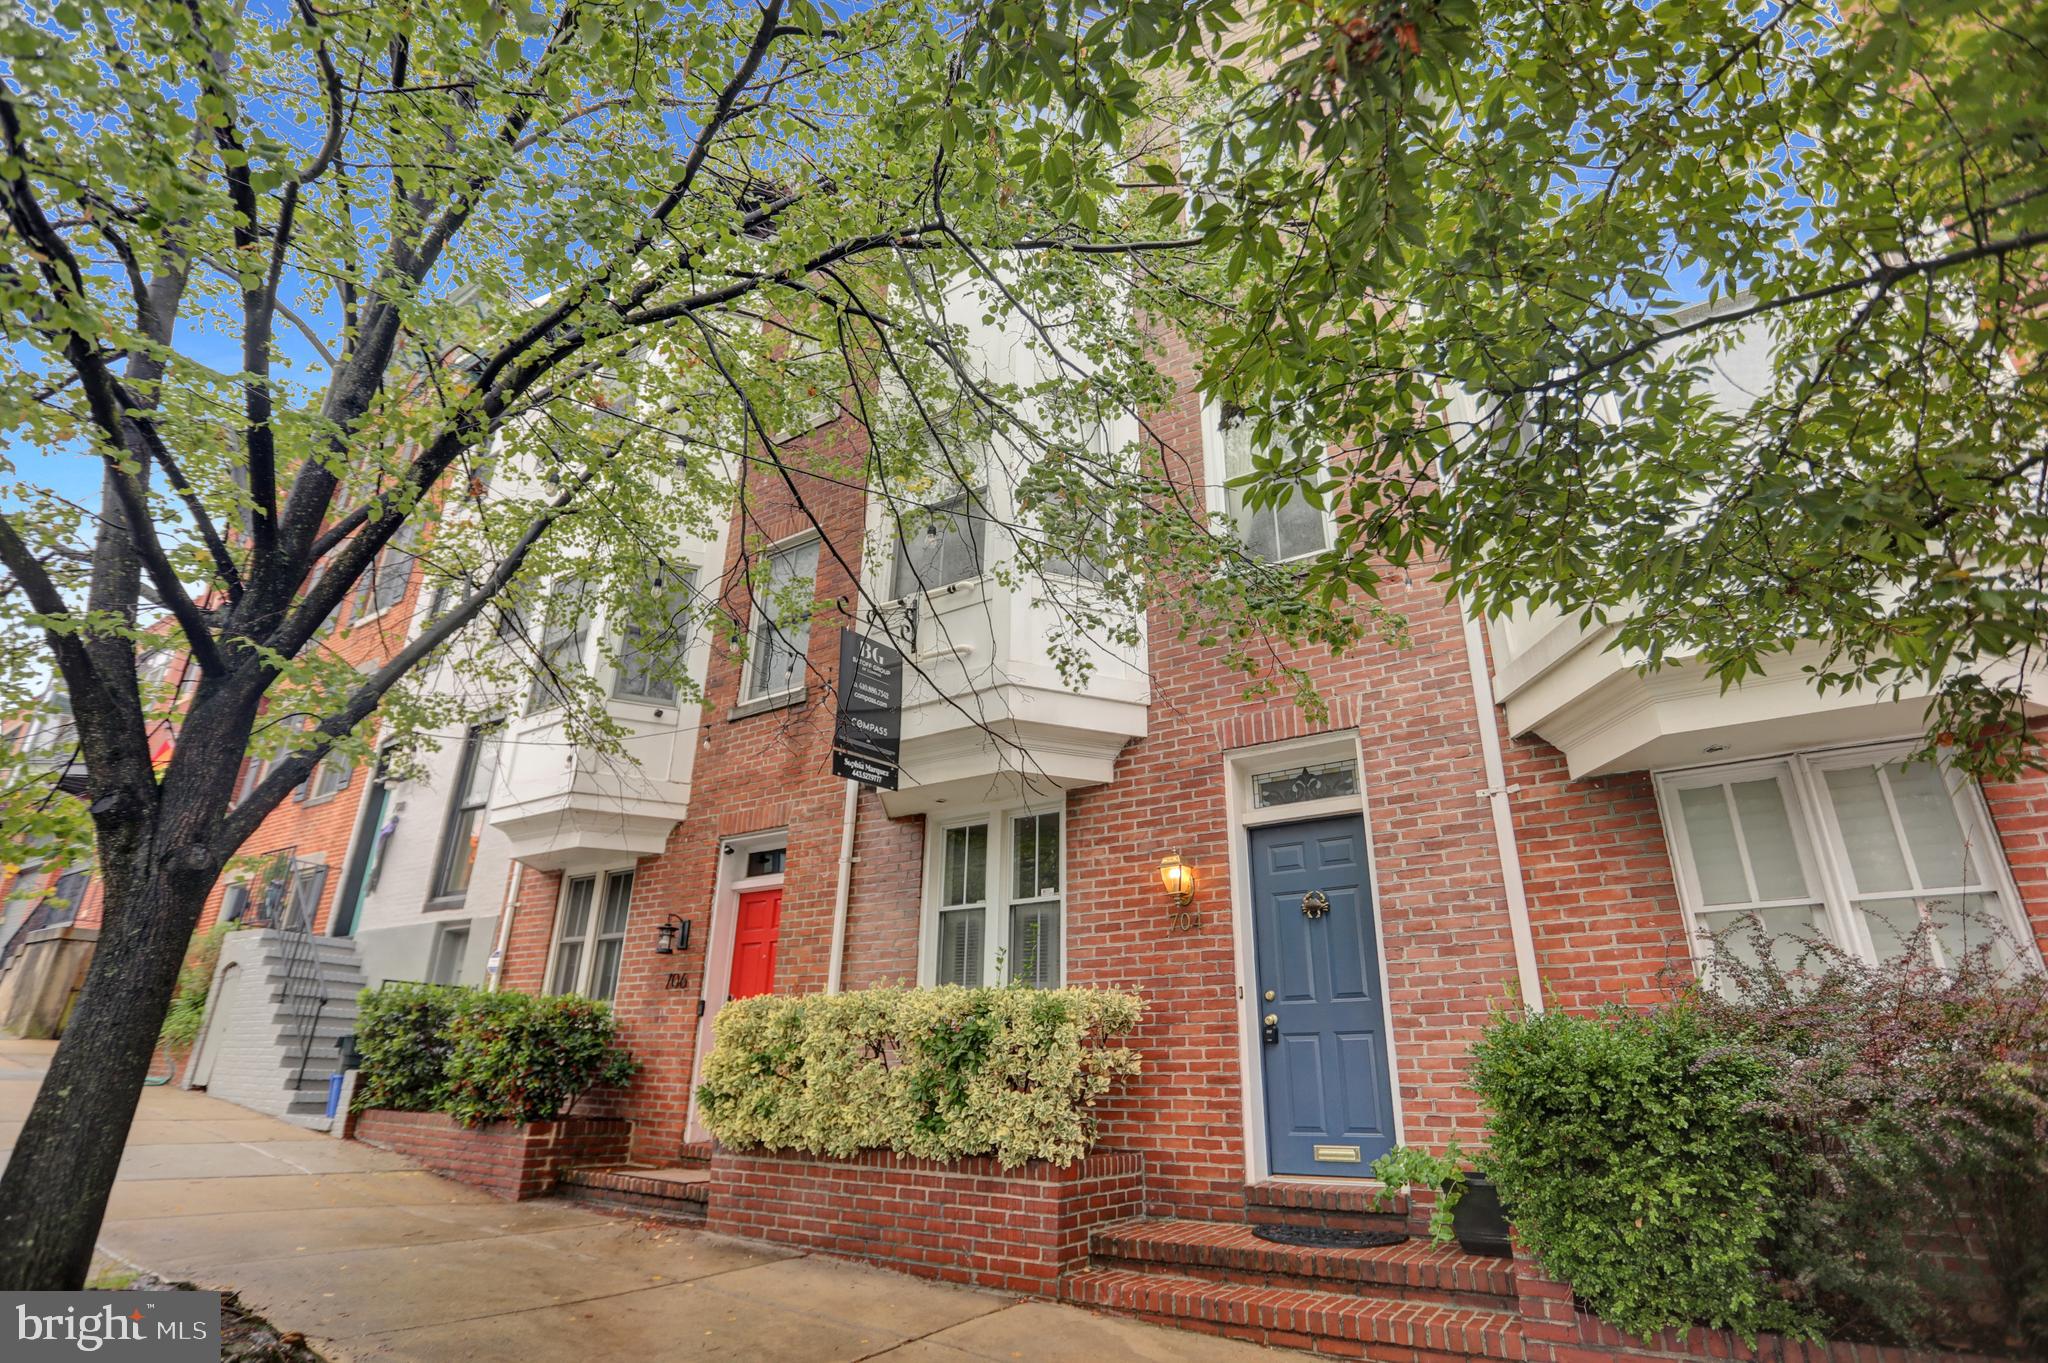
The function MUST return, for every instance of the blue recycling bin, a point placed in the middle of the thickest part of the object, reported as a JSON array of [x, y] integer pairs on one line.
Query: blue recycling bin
[[333, 1093]]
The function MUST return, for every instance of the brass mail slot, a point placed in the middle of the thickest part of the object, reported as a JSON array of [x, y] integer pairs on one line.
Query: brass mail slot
[[1337, 1154]]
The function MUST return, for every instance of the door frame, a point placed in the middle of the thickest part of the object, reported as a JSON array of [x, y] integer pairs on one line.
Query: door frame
[[1239, 767], [716, 980]]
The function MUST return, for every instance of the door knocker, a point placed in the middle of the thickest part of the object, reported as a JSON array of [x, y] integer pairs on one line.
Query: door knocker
[[1314, 904]]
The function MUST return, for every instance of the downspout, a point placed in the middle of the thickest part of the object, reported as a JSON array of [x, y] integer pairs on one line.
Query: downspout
[[1497, 795], [505, 912], [844, 890]]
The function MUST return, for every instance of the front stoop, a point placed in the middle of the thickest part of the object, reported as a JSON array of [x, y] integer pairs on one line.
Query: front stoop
[[679, 1195], [1224, 1251], [1386, 1329]]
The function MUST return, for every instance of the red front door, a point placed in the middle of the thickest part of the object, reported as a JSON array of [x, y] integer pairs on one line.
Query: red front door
[[753, 943]]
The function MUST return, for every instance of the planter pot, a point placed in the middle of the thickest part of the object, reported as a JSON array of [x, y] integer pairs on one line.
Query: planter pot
[[1480, 1225]]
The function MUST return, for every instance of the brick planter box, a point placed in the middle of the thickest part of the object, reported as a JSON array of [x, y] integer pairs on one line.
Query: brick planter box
[[969, 1221], [514, 1160]]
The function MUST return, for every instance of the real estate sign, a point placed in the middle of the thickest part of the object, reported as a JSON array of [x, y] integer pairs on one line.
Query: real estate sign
[[867, 734]]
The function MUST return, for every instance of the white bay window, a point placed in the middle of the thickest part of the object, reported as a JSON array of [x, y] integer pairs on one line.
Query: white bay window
[[1857, 847], [997, 908]]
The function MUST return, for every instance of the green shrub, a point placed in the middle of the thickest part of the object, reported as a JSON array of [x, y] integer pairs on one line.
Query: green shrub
[[521, 1058], [481, 1056], [932, 1073], [1633, 1156], [402, 1042], [186, 1017]]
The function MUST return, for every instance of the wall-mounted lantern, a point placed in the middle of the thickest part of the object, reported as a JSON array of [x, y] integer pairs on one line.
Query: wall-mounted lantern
[[672, 936], [1179, 879]]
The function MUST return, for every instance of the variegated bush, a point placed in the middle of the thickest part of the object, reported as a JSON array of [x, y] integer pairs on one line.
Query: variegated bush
[[939, 1073]]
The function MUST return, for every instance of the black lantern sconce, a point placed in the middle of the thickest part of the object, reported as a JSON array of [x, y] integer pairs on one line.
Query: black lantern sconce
[[672, 936]]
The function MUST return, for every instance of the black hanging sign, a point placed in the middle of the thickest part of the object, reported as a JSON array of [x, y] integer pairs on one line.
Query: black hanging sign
[[867, 734]]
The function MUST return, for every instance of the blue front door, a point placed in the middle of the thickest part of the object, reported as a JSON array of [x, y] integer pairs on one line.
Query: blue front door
[[1321, 1020]]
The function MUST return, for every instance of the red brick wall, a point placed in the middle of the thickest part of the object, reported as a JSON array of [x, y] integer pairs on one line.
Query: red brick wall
[[754, 773], [513, 1160], [1603, 905], [2019, 811], [969, 1221]]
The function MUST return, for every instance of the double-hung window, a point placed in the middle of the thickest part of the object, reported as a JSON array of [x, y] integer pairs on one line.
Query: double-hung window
[[1855, 847], [466, 810], [383, 586], [650, 658], [998, 911], [590, 935], [1282, 531], [565, 630], [780, 637], [940, 545]]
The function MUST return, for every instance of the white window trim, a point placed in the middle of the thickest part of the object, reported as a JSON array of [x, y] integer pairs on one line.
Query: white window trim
[[602, 876], [768, 700], [615, 635], [1822, 852], [996, 922], [1216, 490]]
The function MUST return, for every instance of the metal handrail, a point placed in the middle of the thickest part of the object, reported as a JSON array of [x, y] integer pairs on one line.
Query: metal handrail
[[304, 974]]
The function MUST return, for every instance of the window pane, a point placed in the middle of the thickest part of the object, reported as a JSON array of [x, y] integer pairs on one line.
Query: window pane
[[1301, 528], [782, 621], [1784, 926], [1767, 833], [576, 908], [941, 545], [1716, 859], [1928, 813], [1034, 956], [1036, 855], [460, 854], [604, 968], [1875, 861], [964, 877], [1024, 833], [484, 769], [1292, 786], [618, 899], [960, 943], [1960, 922], [568, 965], [649, 659]]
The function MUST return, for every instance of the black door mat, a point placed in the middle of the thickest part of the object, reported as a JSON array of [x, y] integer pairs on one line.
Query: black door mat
[[1319, 1237]]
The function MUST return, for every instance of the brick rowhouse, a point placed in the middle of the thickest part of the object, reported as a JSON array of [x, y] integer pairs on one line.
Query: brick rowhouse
[[1596, 866]]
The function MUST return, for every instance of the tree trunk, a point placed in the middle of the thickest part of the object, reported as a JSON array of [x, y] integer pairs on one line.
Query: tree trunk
[[55, 1191]]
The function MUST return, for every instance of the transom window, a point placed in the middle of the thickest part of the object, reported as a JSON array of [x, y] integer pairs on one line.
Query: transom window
[[590, 935], [1278, 532], [1857, 848], [1297, 785], [781, 635], [998, 910], [942, 545]]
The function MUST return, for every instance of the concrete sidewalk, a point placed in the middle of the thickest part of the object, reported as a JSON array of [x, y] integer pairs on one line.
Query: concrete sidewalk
[[373, 1259]]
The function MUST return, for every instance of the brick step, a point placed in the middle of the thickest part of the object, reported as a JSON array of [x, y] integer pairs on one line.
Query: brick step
[[1322, 1322], [1225, 1251], [694, 1155], [672, 1194], [1334, 1204]]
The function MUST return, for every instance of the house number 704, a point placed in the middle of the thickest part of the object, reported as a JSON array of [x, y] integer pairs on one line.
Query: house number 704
[[1185, 920]]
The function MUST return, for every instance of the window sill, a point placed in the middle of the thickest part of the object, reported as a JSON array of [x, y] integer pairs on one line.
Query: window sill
[[445, 903], [760, 705]]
